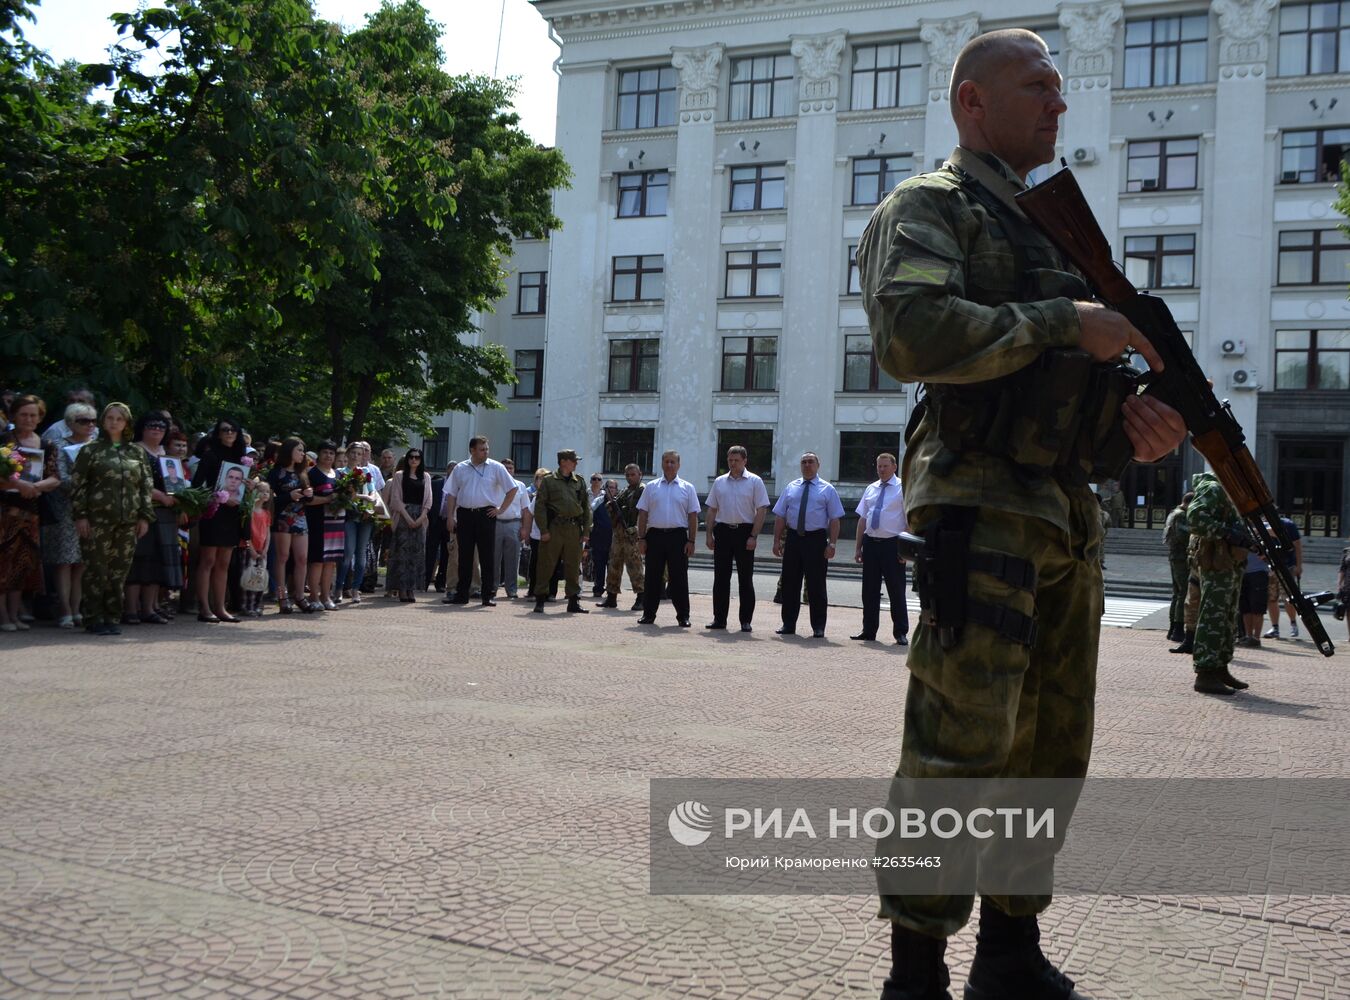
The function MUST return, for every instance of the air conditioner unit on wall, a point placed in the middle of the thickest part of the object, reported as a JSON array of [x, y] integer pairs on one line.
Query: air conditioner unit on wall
[[1084, 155], [1243, 379], [1149, 184], [1233, 348]]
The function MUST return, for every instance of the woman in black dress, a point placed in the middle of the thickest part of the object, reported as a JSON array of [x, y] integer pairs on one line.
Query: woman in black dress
[[409, 506], [156, 562], [218, 535], [290, 526], [327, 526]]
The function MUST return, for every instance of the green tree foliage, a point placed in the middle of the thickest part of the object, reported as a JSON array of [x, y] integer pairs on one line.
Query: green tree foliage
[[268, 218]]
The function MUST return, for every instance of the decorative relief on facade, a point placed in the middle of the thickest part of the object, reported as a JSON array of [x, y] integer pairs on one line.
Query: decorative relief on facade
[[945, 39], [818, 68], [1243, 31], [699, 71], [1089, 31]]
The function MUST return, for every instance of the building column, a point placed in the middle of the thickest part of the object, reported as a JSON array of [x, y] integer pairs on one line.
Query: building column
[[1089, 42], [809, 341], [945, 39], [577, 271], [692, 270], [1235, 297]]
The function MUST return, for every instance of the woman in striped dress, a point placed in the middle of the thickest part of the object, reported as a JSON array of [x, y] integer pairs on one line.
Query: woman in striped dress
[[327, 527]]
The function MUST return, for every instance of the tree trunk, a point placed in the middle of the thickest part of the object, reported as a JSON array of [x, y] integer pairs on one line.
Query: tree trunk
[[365, 394], [337, 403]]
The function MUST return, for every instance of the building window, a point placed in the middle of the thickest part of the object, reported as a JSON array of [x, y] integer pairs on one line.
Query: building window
[[633, 365], [858, 451], [647, 97], [854, 285], [529, 374], [1313, 155], [436, 449], [875, 176], [861, 371], [761, 87], [525, 453], [1162, 165], [1310, 39], [754, 273], [1314, 257], [1160, 261], [759, 444], [749, 363], [638, 279], [628, 444], [887, 76], [643, 194], [1165, 51], [532, 293], [758, 188], [1312, 359]]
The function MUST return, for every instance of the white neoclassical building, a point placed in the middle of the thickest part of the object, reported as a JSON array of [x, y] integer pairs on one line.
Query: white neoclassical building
[[727, 154]]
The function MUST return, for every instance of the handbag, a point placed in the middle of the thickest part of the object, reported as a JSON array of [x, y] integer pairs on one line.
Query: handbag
[[254, 576]]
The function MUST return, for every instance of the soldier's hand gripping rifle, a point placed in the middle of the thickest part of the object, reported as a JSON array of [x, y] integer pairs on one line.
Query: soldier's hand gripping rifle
[[1057, 207]]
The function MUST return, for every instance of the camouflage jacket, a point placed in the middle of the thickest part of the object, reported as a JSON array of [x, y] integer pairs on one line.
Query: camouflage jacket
[[623, 508], [1213, 519], [1176, 534], [928, 247], [562, 496], [112, 484]]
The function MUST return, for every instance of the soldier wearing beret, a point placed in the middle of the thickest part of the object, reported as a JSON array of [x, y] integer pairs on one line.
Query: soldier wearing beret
[[562, 510]]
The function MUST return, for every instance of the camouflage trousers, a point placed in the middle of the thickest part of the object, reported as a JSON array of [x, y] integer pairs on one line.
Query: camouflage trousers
[[623, 552], [107, 560], [1215, 628], [992, 707], [1191, 614], [1181, 574]]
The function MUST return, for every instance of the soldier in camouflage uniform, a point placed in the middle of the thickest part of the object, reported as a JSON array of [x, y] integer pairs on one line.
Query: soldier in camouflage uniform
[[112, 505], [563, 512], [623, 551], [964, 295], [1176, 535], [1216, 533]]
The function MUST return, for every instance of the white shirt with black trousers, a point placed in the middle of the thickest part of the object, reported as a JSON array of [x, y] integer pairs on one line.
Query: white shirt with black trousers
[[668, 504], [881, 511], [735, 503]]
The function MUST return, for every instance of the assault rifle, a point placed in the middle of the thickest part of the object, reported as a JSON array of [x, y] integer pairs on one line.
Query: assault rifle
[[1057, 207]]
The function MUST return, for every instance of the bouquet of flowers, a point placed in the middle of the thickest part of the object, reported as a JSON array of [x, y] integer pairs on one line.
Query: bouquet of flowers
[[194, 501], [351, 492], [11, 465]]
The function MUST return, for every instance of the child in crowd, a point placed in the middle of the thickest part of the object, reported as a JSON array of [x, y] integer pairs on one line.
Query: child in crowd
[[257, 542]]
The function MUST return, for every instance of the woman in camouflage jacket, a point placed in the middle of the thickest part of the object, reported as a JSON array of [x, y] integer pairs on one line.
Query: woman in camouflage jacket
[[113, 508]]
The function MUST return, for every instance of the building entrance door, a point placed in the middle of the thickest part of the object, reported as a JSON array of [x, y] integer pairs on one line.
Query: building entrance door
[[1308, 489], [1151, 491]]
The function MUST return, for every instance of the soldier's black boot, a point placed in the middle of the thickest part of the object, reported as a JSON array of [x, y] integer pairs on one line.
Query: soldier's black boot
[[1176, 632], [918, 971], [1187, 643], [611, 601], [539, 605], [1211, 682], [1232, 681], [637, 604], [1009, 963], [574, 606]]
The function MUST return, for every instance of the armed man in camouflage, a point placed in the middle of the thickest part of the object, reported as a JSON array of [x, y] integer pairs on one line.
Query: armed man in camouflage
[[563, 513], [1176, 536], [1217, 543], [623, 551], [964, 295]]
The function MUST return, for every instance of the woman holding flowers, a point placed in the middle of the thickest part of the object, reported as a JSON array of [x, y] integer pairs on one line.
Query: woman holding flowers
[[30, 471], [290, 526], [360, 518], [325, 525], [113, 508], [409, 506], [220, 528], [60, 543], [156, 562]]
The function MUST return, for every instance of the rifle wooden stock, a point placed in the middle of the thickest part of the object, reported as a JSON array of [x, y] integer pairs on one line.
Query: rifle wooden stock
[[1057, 207]]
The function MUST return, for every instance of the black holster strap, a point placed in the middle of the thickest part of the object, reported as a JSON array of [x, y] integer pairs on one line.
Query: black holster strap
[[1009, 624], [1015, 572]]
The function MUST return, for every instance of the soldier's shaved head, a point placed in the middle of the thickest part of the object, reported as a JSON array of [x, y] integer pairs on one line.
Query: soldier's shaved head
[[985, 56]]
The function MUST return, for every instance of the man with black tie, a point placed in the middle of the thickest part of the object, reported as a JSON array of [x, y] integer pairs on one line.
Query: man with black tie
[[808, 513], [736, 506], [667, 528], [881, 518]]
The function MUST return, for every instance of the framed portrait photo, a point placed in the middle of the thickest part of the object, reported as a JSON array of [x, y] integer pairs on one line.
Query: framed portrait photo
[[231, 479], [172, 471]]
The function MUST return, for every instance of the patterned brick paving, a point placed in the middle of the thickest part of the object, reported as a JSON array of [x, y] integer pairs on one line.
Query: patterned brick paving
[[416, 801]]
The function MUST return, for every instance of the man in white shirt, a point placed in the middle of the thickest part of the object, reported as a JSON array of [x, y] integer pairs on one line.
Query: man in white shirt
[[737, 504], [667, 528], [479, 491], [506, 545], [881, 518], [804, 536]]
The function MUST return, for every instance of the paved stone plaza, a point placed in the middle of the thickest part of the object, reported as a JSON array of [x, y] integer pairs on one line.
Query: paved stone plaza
[[416, 801]]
